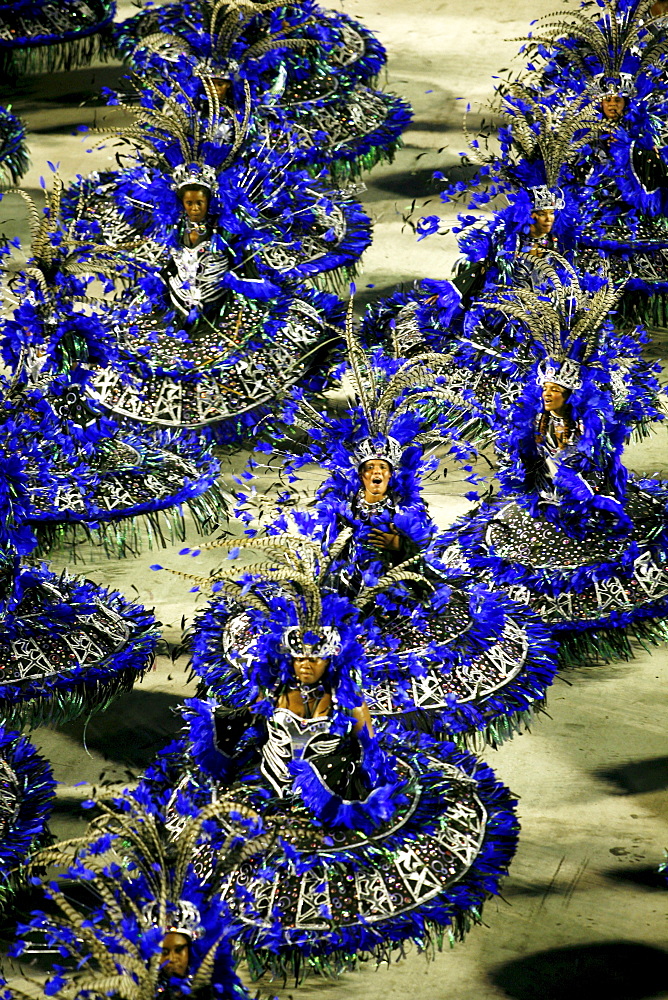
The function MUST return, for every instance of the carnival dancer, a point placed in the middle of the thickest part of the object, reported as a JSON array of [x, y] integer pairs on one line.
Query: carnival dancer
[[214, 335], [216, 327], [311, 69], [304, 754], [443, 654], [153, 925], [267, 216], [569, 532], [101, 477], [610, 53], [533, 174]]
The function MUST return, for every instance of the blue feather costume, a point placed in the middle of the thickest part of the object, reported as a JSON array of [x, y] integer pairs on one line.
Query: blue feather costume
[[337, 799], [443, 654], [13, 150], [26, 797], [614, 53], [312, 69], [101, 477], [568, 532], [212, 331], [138, 893], [66, 646]]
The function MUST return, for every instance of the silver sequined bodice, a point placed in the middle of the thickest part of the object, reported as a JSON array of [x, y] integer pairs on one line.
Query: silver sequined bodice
[[199, 273], [288, 735]]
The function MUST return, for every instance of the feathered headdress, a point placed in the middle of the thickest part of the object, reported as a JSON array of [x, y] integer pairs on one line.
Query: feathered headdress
[[185, 140], [607, 41], [287, 606], [297, 570], [539, 141], [56, 251], [226, 41], [384, 418], [141, 882], [564, 324], [226, 23]]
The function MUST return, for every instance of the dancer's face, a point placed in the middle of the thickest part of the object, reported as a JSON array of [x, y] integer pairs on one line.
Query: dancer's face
[[375, 475], [612, 107], [543, 222], [309, 669], [222, 87], [175, 954], [195, 205], [555, 398]]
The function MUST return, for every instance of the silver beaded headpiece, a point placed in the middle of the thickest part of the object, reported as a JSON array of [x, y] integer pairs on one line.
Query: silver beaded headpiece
[[381, 449], [567, 374], [217, 70], [183, 919], [544, 198], [194, 173], [618, 85], [325, 642]]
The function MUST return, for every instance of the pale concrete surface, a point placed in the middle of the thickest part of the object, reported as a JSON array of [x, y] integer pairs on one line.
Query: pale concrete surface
[[581, 915]]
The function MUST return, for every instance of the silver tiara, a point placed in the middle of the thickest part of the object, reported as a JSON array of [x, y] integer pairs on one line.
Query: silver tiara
[[620, 85], [544, 198], [567, 374], [327, 641], [381, 449], [217, 71], [183, 919], [194, 173]]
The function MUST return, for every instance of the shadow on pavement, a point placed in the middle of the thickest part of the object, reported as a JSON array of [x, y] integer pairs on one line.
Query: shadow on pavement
[[413, 184], [66, 86], [639, 776], [646, 876], [616, 970], [133, 730]]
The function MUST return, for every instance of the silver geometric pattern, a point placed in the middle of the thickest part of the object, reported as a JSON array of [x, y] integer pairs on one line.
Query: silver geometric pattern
[[352, 47], [472, 681], [113, 488], [89, 641], [311, 246], [366, 111], [337, 892], [238, 642], [344, 120], [222, 393], [647, 583], [47, 19], [96, 201]]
